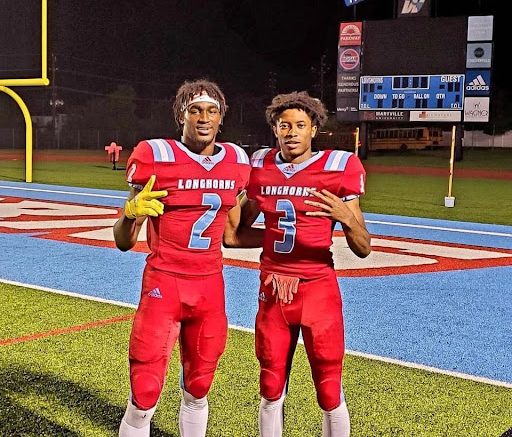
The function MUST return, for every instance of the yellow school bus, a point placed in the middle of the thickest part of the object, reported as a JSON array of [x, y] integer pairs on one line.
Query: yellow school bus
[[406, 138]]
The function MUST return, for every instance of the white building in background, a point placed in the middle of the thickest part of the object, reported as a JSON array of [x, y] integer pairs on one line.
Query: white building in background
[[477, 138]]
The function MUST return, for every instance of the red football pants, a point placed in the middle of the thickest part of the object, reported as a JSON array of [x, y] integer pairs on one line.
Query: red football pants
[[189, 307], [316, 310]]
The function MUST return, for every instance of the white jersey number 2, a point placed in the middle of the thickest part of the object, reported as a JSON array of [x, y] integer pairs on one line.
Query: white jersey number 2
[[197, 241]]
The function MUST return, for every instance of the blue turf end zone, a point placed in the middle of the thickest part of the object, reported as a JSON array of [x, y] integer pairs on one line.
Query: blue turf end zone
[[459, 320]]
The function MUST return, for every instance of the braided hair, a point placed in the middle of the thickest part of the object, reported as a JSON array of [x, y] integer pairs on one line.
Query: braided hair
[[189, 89]]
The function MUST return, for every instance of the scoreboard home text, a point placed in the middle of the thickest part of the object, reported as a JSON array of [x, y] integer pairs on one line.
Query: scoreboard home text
[[442, 92]]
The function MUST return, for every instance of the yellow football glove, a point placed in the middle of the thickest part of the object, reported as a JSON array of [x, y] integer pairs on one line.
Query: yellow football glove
[[145, 203]]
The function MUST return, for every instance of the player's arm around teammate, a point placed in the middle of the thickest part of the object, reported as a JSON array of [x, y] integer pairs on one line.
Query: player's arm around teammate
[[239, 231]]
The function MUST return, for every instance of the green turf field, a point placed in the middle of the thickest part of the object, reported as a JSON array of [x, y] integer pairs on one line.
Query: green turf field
[[75, 383], [478, 200], [484, 159]]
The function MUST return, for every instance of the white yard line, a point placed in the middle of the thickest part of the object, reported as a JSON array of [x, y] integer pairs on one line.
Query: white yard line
[[430, 369], [440, 228], [73, 193], [241, 328], [377, 222], [68, 293]]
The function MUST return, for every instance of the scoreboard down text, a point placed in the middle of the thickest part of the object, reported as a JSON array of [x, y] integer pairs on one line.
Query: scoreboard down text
[[442, 92]]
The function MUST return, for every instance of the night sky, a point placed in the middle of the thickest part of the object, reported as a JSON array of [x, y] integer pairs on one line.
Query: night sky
[[234, 42]]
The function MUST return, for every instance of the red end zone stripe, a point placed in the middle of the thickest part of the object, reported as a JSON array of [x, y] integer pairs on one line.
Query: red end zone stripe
[[441, 263], [53, 332]]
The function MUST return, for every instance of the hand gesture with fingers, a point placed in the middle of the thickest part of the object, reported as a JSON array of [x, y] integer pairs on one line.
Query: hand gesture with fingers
[[329, 205], [146, 202]]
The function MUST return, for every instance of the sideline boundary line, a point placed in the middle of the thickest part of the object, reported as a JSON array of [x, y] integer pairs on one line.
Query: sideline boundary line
[[68, 293], [407, 364], [425, 368], [73, 193], [67, 330]]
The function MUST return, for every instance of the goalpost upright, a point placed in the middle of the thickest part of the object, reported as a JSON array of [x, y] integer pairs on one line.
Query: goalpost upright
[[38, 81]]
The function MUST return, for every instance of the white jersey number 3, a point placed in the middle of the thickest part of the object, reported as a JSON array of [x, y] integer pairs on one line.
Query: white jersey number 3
[[287, 224]]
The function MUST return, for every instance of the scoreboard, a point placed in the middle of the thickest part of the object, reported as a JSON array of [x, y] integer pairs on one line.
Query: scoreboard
[[412, 92]]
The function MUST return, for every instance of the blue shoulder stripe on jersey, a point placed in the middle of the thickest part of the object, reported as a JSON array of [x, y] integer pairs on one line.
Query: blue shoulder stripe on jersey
[[337, 160], [162, 150], [241, 156], [258, 157]]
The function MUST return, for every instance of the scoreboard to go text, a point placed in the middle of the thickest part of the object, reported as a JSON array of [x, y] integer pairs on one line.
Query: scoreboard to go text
[[443, 91]]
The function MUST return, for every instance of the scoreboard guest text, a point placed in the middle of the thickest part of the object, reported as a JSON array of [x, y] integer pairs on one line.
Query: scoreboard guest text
[[441, 92]]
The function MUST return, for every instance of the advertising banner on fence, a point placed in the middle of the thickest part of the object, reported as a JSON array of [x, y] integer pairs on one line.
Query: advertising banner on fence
[[413, 8], [349, 66], [435, 116], [476, 109], [478, 83], [348, 84], [350, 34], [384, 115], [349, 58], [480, 28], [346, 108], [479, 55]]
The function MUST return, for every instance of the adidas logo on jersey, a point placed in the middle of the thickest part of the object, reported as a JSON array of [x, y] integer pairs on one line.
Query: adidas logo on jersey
[[207, 161], [477, 84], [289, 169], [155, 293], [262, 296]]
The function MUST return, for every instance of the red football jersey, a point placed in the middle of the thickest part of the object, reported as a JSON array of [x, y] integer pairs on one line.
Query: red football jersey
[[187, 238], [296, 244]]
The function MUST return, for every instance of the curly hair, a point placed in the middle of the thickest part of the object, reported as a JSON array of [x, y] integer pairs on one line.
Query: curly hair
[[191, 88], [297, 100]]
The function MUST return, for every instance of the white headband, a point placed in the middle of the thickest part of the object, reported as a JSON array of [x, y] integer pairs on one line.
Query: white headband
[[201, 98]]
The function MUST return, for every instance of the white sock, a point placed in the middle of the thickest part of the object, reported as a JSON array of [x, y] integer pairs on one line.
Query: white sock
[[271, 417], [336, 423], [193, 417], [136, 422]]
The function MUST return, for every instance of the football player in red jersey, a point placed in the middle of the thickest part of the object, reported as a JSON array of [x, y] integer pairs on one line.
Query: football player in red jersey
[[186, 188], [302, 195]]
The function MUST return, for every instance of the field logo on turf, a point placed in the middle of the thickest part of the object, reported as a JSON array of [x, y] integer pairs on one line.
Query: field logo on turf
[[92, 226]]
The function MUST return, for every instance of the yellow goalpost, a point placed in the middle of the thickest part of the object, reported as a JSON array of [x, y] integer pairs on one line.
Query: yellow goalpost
[[38, 81]]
